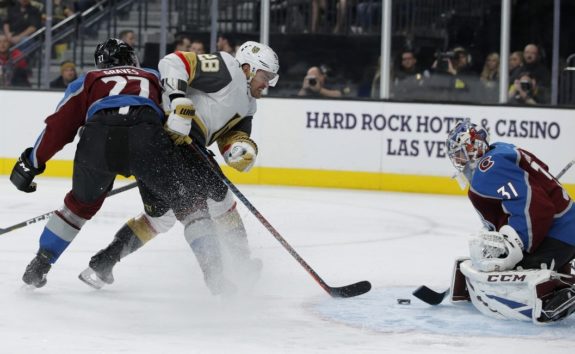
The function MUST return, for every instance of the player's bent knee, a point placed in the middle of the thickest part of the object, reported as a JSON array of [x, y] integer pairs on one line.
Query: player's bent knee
[[220, 208], [146, 227], [162, 223], [198, 229]]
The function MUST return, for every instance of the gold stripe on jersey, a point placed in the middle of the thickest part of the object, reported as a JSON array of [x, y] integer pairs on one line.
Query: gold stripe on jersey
[[233, 121], [191, 62], [142, 229]]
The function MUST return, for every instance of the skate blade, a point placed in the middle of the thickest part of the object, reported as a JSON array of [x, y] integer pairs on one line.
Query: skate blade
[[27, 288], [89, 277]]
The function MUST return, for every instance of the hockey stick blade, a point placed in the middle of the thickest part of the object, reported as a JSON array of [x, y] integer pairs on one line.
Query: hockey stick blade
[[351, 290], [429, 296]]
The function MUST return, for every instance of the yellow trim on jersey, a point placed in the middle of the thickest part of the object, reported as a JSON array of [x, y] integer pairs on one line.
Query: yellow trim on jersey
[[308, 178], [233, 121], [191, 62]]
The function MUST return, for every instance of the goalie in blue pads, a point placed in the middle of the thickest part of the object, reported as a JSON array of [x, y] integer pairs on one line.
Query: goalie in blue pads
[[520, 263]]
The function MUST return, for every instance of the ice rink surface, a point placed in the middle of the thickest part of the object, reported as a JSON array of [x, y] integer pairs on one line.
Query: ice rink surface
[[159, 303]]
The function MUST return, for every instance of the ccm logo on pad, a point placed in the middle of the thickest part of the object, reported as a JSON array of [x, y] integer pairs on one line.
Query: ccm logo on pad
[[506, 278]]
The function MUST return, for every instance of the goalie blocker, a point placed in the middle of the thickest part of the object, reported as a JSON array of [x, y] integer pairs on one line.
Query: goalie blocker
[[537, 295]]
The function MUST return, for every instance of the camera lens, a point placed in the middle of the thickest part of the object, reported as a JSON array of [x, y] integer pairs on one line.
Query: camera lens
[[312, 82], [525, 85]]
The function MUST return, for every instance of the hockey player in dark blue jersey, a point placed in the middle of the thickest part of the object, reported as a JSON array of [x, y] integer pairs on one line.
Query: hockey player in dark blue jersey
[[529, 234]]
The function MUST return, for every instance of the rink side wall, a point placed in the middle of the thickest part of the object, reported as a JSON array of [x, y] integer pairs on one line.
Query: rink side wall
[[338, 143]]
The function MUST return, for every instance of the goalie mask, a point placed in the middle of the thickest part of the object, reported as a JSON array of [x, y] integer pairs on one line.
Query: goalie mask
[[115, 52], [466, 144], [259, 57]]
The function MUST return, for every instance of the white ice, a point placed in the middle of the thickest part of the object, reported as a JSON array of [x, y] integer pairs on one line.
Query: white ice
[[159, 303]]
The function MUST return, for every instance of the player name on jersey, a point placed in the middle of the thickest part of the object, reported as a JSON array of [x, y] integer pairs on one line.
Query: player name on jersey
[[121, 71]]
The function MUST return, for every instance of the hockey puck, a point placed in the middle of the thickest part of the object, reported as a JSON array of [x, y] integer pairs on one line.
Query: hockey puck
[[404, 301]]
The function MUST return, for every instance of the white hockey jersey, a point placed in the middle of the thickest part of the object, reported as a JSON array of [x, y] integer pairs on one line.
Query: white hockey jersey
[[217, 87]]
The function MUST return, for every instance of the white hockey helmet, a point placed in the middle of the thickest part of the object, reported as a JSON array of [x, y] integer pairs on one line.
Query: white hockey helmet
[[259, 57], [466, 144]]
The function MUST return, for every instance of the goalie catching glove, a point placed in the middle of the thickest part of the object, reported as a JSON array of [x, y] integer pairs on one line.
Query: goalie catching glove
[[239, 151], [493, 251], [24, 172], [179, 121]]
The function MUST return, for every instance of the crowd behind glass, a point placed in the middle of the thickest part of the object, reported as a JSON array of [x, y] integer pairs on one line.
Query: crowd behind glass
[[446, 74]]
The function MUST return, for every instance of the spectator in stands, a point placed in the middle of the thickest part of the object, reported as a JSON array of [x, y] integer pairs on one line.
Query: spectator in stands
[[13, 72], [129, 37], [68, 74], [451, 79], [183, 43], [315, 84], [322, 15], [318, 8], [226, 43], [407, 78], [454, 62], [368, 15], [197, 47], [489, 78], [515, 65], [525, 90], [4, 5], [534, 65], [407, 66], [23, 19], [62, 9], [490, 73], [341, 16]]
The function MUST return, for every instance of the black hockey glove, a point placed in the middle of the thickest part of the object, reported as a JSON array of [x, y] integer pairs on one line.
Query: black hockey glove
[[24, 172]]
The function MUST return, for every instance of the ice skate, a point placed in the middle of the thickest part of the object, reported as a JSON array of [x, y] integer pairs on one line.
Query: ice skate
[[561, 305], [248, 273], [36, 271], [220, 285], [99, 273]]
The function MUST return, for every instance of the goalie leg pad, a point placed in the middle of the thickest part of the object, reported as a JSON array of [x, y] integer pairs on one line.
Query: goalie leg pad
[[506, 295]]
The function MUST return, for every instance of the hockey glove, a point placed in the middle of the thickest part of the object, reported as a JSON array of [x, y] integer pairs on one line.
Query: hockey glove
[[24, 172], [241, 154], [179, 121], [496, 251]]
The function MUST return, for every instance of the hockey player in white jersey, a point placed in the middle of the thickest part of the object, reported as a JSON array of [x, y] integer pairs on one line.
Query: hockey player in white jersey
[[211, 98]]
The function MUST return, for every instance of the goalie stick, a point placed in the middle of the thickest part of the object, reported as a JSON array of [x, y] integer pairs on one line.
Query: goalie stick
[[48, 214], [351, 290], [433, 297]]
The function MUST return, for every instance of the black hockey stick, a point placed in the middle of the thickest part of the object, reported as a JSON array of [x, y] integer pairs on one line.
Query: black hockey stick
[[351, 290], [429, 296], [433, 297], [48, 214]]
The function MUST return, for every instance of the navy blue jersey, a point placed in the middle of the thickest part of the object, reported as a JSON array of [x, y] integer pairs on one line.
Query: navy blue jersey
[[512, 186]]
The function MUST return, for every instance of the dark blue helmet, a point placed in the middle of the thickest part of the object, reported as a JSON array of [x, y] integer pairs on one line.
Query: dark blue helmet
[[115, 52]]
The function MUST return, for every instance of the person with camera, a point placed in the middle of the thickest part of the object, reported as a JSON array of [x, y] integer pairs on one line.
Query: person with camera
[[524, 90], [450, 79], [314, 84]]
